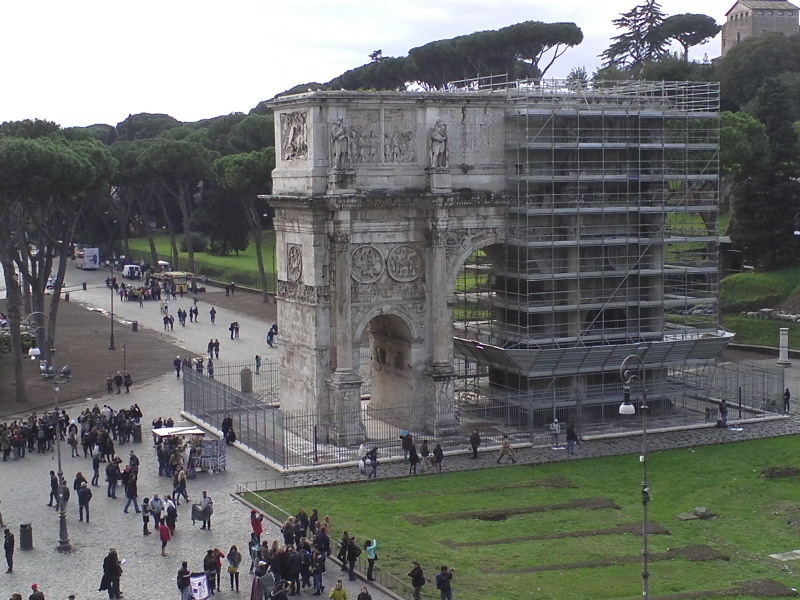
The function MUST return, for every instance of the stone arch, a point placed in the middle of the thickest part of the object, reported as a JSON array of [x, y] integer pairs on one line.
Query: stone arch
[[397, 353], [466, 248], [360, 326]]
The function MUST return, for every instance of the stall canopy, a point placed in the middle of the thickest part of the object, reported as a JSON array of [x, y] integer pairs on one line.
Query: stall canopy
[[172, 431]]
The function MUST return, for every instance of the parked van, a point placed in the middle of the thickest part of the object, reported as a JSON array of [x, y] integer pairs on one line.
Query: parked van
[[132, 272], [87, 259]]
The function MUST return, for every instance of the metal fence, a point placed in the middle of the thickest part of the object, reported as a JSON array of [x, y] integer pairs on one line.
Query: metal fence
[[677, 397], [258, 426]]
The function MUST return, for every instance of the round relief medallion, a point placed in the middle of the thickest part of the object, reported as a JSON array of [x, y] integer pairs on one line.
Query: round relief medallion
[[294, 263], [403, 264], [367, 264]]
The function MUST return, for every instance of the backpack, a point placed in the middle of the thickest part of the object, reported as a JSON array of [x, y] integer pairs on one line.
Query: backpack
[[356, 550]]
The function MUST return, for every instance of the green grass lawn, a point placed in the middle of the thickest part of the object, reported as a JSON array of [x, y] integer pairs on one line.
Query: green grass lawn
[[242, 267], [755, 517], [761, 332], [753, 290]]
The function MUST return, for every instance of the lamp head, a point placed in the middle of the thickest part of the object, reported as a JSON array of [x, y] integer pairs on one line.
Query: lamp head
[[34, 353], [626, 408]]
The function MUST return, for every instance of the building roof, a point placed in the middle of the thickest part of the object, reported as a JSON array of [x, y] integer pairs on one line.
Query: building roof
[[763, 4]]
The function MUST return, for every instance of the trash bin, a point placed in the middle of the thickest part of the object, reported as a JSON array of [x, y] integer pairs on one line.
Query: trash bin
[[25, 536], [137, 434], [247, 381], [84, 286], [135, 328], [66, 297]]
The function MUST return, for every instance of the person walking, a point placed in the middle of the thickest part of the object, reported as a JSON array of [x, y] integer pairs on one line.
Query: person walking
[[555, 431], [444, 580], [438, 457], [164, 534], [572, 439], [177, 363], [213, 314], [413, 460], [118, 381], [8, 548], [723, 413], [371, 546], [318, 570], [53, 489], [234, 560], [84, 496], [786, 397], [417, 579], [475, 441], [36, 594], [506, 450], [425, 455], [372, 458], [258, 364], [132, 493]]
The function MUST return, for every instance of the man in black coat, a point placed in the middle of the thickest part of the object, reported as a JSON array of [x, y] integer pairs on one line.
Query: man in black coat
[[475, 441], [8, 546]]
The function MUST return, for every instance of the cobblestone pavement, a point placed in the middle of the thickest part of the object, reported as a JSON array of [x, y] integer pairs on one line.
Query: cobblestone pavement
[[24, 484]]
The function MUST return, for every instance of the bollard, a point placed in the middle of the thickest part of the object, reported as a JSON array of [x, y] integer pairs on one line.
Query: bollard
[[247, 381], [84, 286], [134, 326], [66, 297], [25, 536]]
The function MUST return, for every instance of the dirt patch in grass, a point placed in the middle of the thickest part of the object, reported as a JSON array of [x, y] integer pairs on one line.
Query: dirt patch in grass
[[699, 553], [622, 528], [779, 472], [500, 514], [760, 588], [547, 482]]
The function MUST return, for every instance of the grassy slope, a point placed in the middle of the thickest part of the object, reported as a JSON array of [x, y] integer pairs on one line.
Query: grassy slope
[[244, 260], [752, 523]]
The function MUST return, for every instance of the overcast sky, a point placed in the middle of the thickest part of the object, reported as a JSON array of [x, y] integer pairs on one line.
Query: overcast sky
[[97, 61]]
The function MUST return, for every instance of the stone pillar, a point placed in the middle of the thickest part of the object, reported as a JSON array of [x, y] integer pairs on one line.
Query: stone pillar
[[442, 409], [344, 385], [341, 297], [783, 349], [441, 323], [440, 374], [346, 426]]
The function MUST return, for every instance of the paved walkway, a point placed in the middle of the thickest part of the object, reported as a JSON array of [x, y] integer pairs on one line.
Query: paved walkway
[[24, 484]]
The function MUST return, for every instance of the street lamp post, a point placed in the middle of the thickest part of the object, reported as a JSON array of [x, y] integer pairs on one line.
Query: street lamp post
[[627, 409], [111, 285], [50, 372]]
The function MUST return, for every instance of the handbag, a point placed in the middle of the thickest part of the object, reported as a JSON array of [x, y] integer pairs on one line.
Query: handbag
[[233, 569]]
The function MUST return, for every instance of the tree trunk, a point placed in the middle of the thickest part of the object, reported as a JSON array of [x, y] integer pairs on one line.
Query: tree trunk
[[171, 229], [258, 239], [13, 303], [183, 202]]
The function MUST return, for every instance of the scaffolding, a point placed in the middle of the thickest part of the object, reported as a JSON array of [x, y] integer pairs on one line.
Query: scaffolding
[[612, 245]]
